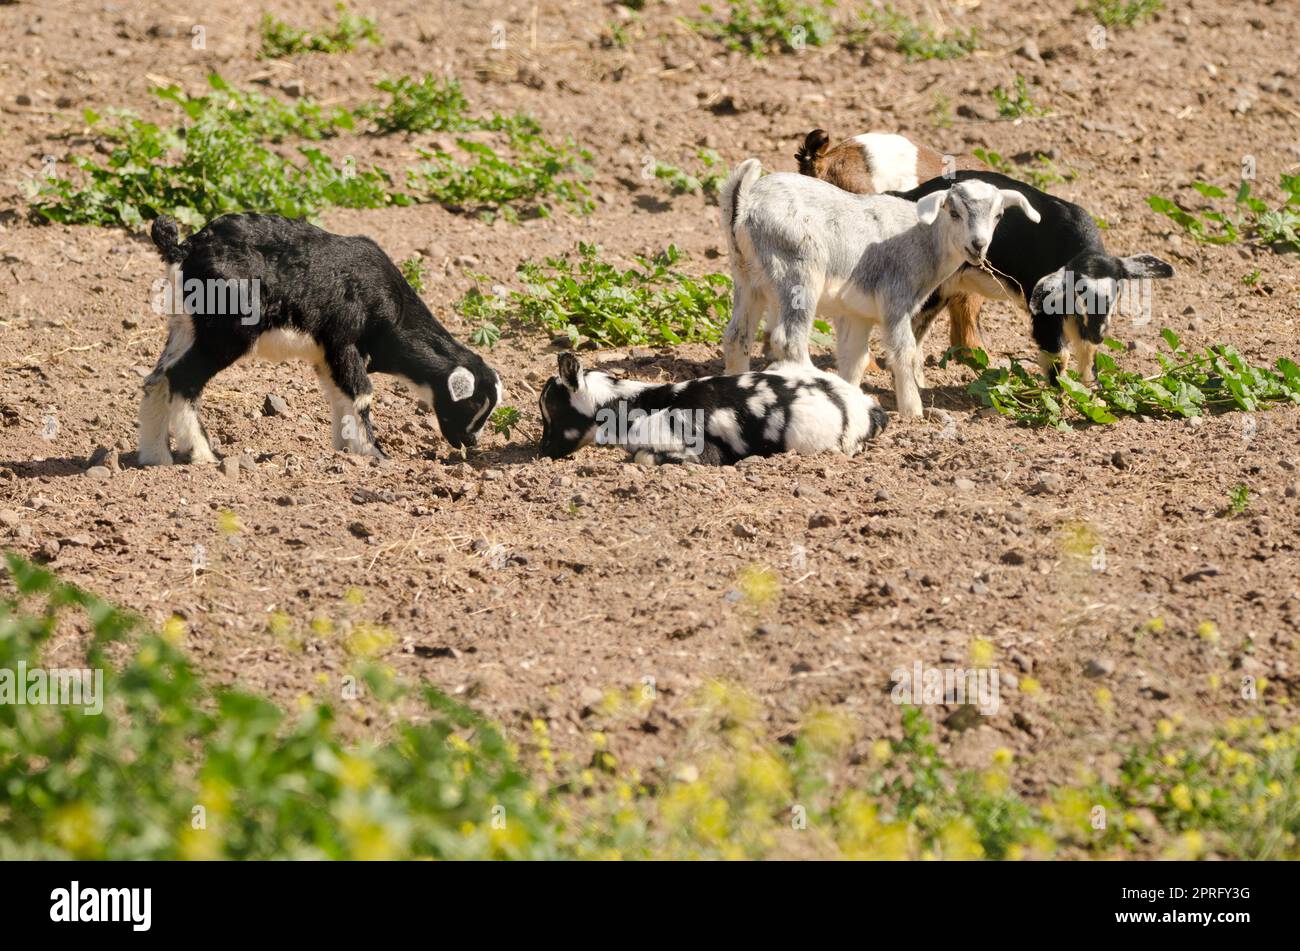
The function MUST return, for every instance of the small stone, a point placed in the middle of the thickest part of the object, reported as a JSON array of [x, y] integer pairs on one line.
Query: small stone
[[1013, 556], [9, 518], [274, 406], [882, 495], [77, 541], [561, 482], [1120, 459], [580, 500], [1049, 484], [821, 520], [963, 485], [294, 89], [230, 468], [1099, 667], [49, 550], [741, 530], [1293, 490], [99, 473], [247, 462]]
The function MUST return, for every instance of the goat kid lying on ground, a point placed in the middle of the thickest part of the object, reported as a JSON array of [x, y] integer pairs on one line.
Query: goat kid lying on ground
[[337, 302], [1059, 271], [878, 162], [714, 420], [801, 246]]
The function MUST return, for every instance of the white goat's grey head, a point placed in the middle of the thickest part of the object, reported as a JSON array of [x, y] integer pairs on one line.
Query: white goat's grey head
[[975, 208]]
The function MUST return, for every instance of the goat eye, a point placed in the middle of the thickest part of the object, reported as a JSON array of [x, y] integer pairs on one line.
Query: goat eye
[[953, 212]]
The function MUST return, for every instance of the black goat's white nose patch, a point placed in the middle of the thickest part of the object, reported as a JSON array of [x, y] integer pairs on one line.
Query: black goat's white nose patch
[[460, 383]]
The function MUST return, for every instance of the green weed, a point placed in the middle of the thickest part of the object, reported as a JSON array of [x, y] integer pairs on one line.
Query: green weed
[[349, 30], [1188, 384], [587, 299], [762, 26], [1126, 13], [920, 41]]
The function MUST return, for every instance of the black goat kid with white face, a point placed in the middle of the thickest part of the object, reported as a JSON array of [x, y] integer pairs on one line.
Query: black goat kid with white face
[[279, 289], [714, 420]]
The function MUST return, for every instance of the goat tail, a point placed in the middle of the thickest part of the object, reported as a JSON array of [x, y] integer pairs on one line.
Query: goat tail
[[167, 236], [812, 151], [733, 197]]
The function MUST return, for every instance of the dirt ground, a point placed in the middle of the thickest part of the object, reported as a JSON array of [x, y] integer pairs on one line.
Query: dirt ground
[[532, 586]]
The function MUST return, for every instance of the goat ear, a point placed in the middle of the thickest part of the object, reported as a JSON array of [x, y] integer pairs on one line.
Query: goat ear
[[1146, 265], [1014, 199], [927, 209], [460, 384], [570, 371], [1049, 295]]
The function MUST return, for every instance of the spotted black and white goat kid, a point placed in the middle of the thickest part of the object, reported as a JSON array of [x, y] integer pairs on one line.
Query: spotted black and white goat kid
[[337, 302], [713, 420]]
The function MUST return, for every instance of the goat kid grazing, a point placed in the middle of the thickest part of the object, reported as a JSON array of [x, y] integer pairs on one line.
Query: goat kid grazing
[[713, 420], [801, 246], [878, 162], [337, 302]]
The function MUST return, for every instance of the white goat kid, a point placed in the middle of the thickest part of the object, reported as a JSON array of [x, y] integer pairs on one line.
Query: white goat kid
[[802, 247]]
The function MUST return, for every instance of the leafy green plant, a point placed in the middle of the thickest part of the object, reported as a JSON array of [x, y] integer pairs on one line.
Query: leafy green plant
[[414, 270], [1239, 498], [504, 419], [533, 181], [434, 104], [585, 298], [174, 769], [1124, 12], [918, 41], [1250, 216], [171, 769], [215, 165], [218, 163], [709, 182], [1188, 384], [1015, 103], [281, 39], [761, 26]]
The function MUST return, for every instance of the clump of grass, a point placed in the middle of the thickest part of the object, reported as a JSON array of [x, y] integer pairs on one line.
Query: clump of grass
[[348, 31], [590, 300], [1126, 13], [1277, 228], [708, 182], [1188, 384], [763, 26], [920, 41], [1015, 103]]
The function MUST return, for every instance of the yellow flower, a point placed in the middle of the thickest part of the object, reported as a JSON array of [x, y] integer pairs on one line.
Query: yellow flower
[[1105, 699], [76, 828], [758, 585], [960, 841], [1181, 797], [228, 523], [355, 772], [369, 640], [279, 624], [198, 845], [881, 750], [982, 652], [174, 630], [354, 597], [1208, 631], [1030, 686], [1164, 729], [1003, 757], [1155, 626]]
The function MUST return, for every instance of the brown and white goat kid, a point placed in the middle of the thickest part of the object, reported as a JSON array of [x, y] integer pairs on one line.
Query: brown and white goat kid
[[884, 162]]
